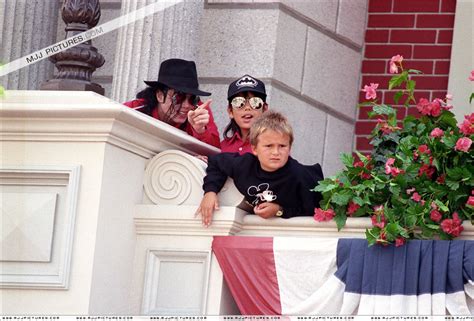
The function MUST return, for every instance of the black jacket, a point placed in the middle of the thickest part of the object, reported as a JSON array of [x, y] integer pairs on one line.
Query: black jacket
[[288, 186]]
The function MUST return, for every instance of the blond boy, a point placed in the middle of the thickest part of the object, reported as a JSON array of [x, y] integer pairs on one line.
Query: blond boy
[[272, 182]]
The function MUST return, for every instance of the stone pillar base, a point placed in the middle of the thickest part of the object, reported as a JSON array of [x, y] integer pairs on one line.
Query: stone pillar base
[[72, 85]]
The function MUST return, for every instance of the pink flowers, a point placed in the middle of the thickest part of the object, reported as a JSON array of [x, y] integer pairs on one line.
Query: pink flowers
[[370, 91], [385, 128], [389, 169], [471, 77], [416, 197], [360, 164], [393, 64], [463, 144], [399, 241], [435, 215], [352, 208], [470, 200], [467, 126], [436, 133], [388, 165], [323, 215], [378, 220], [426, 169], [425, 107], [423, 149], [452, 226]]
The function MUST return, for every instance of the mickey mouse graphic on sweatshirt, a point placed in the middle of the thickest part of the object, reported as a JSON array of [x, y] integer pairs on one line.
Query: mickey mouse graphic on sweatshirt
[[290, 186], [261, 193]]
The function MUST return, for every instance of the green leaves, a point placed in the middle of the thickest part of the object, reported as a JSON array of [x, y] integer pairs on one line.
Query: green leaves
[[383, 110], [414, 71], [450, 141], [347, 160], [340, 217], [393, 230], [397, 80], [447, 119], [441, 206], [342, 198], [457, 173], [397, 96], [325, 186]]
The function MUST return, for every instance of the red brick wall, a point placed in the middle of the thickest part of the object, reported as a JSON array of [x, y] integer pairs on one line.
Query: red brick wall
[[419, 30]]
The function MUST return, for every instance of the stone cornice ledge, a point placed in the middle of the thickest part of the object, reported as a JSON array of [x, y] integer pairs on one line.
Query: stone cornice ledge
[[303, 226], [307, 226], [180, 220], [229, 220], [73, 116]]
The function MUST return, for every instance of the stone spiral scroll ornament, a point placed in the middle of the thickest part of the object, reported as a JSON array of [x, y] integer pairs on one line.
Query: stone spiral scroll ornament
[[174, 178]]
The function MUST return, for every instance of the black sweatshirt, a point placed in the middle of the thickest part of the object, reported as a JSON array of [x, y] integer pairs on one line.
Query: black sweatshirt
[[288, 186]]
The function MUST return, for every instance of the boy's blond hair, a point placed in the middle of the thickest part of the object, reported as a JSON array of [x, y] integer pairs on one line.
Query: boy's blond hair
[[270, 120]]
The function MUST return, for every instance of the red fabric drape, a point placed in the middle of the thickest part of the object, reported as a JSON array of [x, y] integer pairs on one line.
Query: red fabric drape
[[248, 266]]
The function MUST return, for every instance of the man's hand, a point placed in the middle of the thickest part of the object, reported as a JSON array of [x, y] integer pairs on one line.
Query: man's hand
[[266, 210], [199, 118], [208, 204]]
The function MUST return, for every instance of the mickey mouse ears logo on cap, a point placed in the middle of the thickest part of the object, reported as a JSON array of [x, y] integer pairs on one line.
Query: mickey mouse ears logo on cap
[[246, 81]]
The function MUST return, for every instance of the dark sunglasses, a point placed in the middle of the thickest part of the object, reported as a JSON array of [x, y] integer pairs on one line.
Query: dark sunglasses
[[179, 97], [254, 102]]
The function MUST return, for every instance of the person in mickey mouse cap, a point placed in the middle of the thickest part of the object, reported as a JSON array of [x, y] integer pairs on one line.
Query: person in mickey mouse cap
[[247, 102]]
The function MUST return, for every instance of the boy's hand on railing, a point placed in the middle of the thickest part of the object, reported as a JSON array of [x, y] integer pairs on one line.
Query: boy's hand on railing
[[199, 118], [202, 157], [209, 203], [266, 210]]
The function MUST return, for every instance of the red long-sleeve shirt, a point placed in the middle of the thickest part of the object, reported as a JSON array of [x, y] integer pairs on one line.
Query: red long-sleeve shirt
[[209, 136], [235, 144]]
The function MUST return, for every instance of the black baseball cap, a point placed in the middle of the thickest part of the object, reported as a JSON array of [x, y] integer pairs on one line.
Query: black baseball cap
[[246, 83]]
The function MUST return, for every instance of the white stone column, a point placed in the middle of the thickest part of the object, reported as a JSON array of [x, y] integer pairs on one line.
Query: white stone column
[[142, 45], [27, 26], [462, 59]]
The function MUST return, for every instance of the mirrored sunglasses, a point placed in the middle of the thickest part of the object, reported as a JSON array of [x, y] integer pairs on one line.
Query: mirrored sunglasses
[[254, 102], [179, 97]]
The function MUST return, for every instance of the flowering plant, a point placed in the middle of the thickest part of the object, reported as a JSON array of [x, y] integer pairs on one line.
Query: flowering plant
[[418, 181]]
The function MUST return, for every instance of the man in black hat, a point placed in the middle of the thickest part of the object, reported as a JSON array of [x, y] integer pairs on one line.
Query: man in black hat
[[174, 99]]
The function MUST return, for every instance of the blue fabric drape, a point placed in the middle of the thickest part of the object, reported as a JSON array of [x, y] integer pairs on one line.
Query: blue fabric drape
[[419, 267]]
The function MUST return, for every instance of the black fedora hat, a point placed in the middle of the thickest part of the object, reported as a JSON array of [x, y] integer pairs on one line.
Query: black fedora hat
[[180, 75]]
